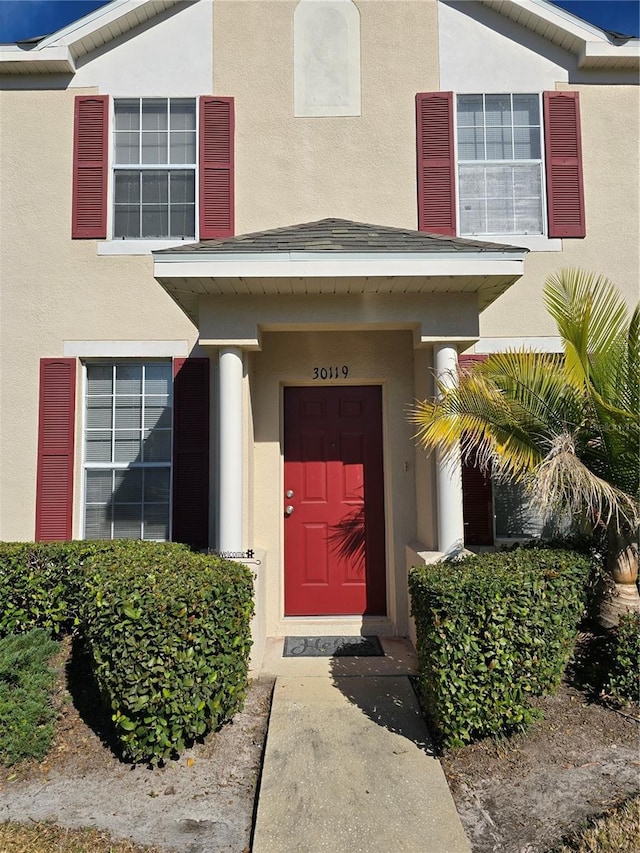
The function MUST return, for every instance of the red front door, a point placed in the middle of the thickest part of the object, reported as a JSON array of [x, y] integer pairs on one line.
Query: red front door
[[334, 501]]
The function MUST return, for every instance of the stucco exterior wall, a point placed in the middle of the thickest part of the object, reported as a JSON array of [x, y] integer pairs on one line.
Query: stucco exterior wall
[[373, 358], [290, 169], [55, 289], [610, 118]]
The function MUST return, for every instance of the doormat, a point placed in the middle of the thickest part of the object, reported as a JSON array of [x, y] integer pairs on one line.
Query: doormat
[[329, 647]]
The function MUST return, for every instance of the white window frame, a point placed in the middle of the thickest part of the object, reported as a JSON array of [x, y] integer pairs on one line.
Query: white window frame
[[533, 241], [121, 466], [144, 245]]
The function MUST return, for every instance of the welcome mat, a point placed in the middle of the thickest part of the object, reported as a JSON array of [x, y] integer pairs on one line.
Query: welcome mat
[[329, 647]]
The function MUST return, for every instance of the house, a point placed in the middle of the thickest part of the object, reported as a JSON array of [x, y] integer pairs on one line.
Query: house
[[240, 238]]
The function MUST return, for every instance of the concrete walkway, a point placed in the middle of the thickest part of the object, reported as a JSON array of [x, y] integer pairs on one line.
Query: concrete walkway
[[349, 766]]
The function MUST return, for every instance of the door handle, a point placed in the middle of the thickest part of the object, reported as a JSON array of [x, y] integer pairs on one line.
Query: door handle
[[288, 510]]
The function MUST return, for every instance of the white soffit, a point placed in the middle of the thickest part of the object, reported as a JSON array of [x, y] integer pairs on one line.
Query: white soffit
[[588, 42], [57, 52]]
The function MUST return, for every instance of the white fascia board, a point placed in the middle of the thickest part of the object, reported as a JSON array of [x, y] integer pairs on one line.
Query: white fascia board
[[593, 51], [481, 264], [550, 14], [58, 53], [88, 24]]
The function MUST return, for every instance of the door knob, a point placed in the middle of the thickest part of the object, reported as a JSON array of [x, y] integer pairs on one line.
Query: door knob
[[288, 510], [289, 493]]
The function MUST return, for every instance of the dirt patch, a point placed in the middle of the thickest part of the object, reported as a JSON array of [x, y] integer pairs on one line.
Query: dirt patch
[[522, 795], [201, 803]]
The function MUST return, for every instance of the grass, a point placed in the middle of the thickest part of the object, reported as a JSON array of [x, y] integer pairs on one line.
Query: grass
[[47, 838], [617, 832], [26, 684]]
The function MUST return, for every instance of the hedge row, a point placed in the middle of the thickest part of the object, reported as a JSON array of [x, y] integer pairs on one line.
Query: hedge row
[[168, 630], [493, 630], [623, 660]]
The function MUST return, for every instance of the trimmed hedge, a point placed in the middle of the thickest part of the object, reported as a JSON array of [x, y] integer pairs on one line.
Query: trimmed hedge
[[623, 659], [26, 681], [168, 630], [169, 634], [493, 630]]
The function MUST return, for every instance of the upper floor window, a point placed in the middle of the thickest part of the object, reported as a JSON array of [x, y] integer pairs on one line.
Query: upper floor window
[[154, 163], [499, 144]]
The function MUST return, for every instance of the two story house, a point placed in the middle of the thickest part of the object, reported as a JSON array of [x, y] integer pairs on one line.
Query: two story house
[[240, 237]]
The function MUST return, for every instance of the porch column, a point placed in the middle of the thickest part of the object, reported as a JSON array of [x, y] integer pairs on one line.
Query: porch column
[[448, 472], [230, 458]]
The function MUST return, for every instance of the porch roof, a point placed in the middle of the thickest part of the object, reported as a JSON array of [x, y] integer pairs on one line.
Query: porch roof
[[336, 256]]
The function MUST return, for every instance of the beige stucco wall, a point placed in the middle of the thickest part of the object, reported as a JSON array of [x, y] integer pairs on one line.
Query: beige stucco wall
[[291, 170], [377, 358], [610, 118], [54, 289]]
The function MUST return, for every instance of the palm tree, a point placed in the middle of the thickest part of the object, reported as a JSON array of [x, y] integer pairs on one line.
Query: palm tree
[[566, 426]]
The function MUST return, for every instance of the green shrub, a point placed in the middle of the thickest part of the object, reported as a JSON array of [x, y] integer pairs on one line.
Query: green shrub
[[493, 630], [169, 634], [26, 715], [623, 659]]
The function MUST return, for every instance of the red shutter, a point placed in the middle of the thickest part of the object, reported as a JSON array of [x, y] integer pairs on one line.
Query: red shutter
[[191, 451], [436, 163], [563, 149], [90, 162], [216, 168], [54, 489], [477, 492]]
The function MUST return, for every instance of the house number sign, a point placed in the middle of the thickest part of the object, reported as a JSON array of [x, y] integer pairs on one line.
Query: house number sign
[[332, 372]]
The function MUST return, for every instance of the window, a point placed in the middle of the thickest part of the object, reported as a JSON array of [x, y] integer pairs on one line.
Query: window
[[127, 451], [154, 162], [499, 148], [481, 169]]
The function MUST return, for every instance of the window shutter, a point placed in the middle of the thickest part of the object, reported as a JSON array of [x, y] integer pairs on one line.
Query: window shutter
[[191, 451], [90, 166], [54, 488], [216, 168], [436, 163], [563, 149]]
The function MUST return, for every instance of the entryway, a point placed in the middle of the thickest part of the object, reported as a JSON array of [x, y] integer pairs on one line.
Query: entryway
[[334, 501]]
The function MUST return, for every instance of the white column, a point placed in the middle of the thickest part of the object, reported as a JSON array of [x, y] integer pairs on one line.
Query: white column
[[230, 459], [449, 471]]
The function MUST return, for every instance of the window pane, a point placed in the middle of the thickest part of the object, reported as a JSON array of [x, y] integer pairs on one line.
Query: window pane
[[127, 520], [471, 143], [126, 187], [99, 413], [157, 414], [472, 182], [156, 485], [155, 220], [98, 446], [156, 521], [127, 114], [157, 379], [99, 378], [183, 147], [154, 114], [127, 446], [500, 216], [497, 110], [514, 514], [127, 147], [470, 110], [527, 182], [472, 216], [499, 143], [528, 213], [526, 109], [128, 486], [129, 379], [155, 187], [154, 148], [126, 220], [157, 445], [99, 485], [183, 187], [97, 522], [182, 220], [183, 114], [526, 143], [499, 181], [128, 413]]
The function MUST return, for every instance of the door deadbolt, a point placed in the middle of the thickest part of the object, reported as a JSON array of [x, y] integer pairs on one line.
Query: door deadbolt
[[289, 493], [288, 510]]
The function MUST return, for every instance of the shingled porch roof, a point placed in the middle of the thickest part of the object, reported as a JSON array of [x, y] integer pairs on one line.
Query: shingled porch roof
[[336, 256]]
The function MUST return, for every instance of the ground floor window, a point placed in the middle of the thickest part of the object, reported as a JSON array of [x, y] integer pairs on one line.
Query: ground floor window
[[127, 450]]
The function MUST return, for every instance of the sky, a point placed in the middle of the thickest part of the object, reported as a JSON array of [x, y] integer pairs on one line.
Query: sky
[[25, 19]]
